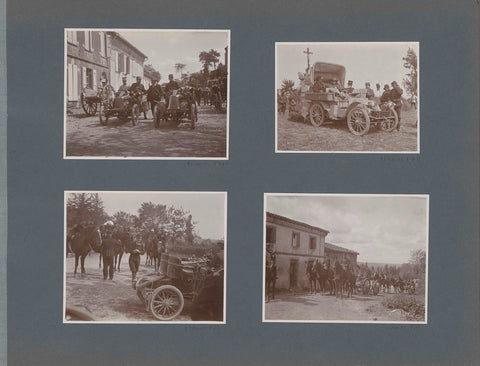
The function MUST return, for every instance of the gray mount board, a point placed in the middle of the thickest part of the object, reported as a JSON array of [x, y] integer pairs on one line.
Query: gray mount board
[[447, 169]]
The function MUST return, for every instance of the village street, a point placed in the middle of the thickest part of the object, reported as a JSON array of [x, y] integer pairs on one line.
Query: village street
[[87, 137], [109, 300], [316, 307]]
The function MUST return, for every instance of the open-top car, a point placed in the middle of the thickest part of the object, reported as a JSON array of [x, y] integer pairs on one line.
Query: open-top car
[[121, 105], [181, 108], [332, 102], [164, 292]]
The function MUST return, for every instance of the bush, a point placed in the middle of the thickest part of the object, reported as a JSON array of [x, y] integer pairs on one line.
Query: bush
[[414, 307]]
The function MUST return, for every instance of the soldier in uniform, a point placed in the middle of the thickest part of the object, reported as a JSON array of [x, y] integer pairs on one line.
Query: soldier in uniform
[[154, 94], [386, 94], [108, 251], [138, 86], [349, 89], [171, 86], [124, 88], [370, 94], [318, 85], [396, 97]]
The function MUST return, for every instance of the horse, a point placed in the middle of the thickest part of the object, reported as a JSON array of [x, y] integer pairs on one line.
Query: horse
[[82, 240], [350, 280], [322, 276], [330, 278]]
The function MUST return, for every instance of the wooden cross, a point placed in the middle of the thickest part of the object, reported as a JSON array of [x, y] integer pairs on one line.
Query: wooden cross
[[308, 57]]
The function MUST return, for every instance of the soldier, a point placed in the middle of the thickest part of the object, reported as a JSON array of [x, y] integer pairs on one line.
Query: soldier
[[124, 88], [386, 94], [108, 251], [396, 97], [138, 86], [171, 86], [370, 94], [154, 94], [349, 89], [378, 92], [318, 85]]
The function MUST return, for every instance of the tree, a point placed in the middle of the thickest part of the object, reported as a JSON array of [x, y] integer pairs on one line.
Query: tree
[[124, 220], [189, 236], [418, 258], [85, 207], [179, 67], [150, 70], [287, 85], [410, 63], [208, 58]]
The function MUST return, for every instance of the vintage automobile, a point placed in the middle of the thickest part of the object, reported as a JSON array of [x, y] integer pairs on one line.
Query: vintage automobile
[[123, 107], [181, 108], [334, 104], [164, 292]]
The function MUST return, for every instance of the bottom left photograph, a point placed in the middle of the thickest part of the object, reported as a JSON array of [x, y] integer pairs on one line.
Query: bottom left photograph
[[140, 257]]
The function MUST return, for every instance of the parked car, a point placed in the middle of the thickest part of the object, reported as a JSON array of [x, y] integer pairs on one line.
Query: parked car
[[333, 103]]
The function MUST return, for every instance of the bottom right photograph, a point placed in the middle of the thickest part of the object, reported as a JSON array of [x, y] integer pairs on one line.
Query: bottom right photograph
[[345, 258]]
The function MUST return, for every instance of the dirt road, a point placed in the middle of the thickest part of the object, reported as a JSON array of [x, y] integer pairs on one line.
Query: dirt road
[[329, 308], [85, 136], [109, 300], [335, 136]]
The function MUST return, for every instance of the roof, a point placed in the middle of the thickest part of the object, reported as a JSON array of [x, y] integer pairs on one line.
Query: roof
[[283, 218], [336, 248], [119, 36]]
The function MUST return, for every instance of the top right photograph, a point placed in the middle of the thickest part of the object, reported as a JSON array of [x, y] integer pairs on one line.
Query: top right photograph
[[349, 97]]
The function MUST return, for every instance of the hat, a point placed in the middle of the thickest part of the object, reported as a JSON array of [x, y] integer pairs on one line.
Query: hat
[[109, 223], [170, 75], [350, 82], [139, 77], [367, 83], [394, 83], [385, 87], [124, 78]]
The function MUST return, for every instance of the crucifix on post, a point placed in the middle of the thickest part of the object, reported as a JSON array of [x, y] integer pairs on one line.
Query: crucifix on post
[[308, 57]]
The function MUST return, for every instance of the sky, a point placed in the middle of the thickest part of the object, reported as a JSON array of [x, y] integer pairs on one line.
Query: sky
[[166, 48], [374, 62], [207, 209], [382, 229]]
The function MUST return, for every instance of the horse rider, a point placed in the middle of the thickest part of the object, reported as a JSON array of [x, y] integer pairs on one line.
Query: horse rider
[[124, 88], [154, 94], [312, 277], [396, 97], [108, 250]]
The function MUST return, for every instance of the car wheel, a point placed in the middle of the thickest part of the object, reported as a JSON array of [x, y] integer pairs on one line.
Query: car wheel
[[102, 116], [316, 114], [166, 302], [358, 121], [391, 122], [135, 114]]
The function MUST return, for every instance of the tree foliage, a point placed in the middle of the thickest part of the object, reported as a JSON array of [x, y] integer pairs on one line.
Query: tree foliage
[[84, 208], [410, 63], [150, 70], [179, 67], [207, 58], [287, 85]]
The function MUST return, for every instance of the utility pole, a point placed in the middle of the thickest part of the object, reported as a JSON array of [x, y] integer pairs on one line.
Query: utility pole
[[308, 57]]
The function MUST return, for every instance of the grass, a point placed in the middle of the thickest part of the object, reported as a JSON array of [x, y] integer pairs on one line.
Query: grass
[[411, 305]]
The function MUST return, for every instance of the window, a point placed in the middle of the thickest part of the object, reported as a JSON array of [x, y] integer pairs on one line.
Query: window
[[115, 60], [88, 40], [72, 37], [103, 49], [313, 243], [295, 239], [270, 235]]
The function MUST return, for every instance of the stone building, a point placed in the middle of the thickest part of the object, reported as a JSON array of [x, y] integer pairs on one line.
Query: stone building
[[334, 252], [295, 244]]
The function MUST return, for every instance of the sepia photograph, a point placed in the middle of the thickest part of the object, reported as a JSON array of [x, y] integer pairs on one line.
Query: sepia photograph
[[146, 94], [347, 97], [334, 258], [145, 257]]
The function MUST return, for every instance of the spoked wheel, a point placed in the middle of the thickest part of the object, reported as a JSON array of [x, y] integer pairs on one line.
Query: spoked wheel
[[391, 122], [88, 106], [317, 114], [166, 302], [358, 121], [101, 115], [193, 115], [135, 114]]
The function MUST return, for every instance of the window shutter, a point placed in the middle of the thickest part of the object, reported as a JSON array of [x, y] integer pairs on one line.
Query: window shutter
[[94, 79], [115, 54], [87, 40], [75, 72], [84, 77], [69, 81], [274, 234], [298, 240]]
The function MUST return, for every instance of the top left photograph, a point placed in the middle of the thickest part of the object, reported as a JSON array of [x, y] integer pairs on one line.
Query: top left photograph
[[146, 94]]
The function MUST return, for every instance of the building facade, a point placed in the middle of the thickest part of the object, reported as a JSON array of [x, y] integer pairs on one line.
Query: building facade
[[336, 253], [296, 244], [125, 60], [87, 62]]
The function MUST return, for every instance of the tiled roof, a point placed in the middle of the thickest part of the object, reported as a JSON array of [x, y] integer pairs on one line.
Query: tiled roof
[[336, 248], [275, 216]]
